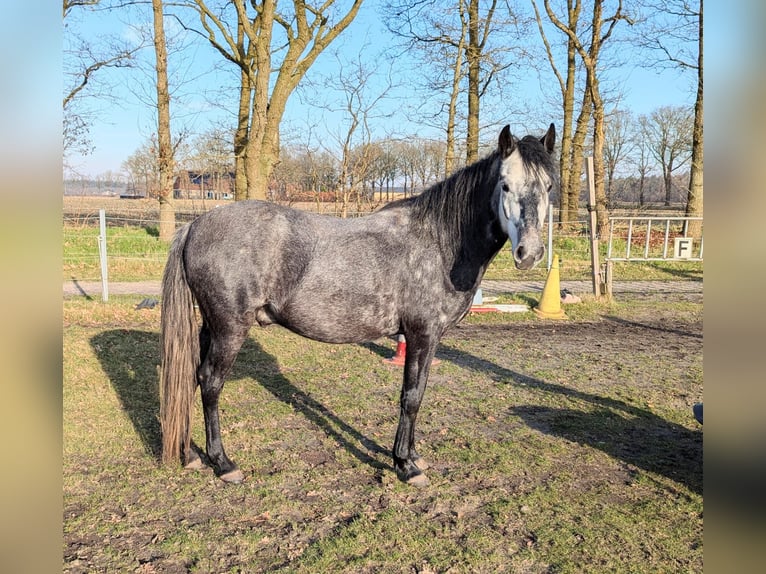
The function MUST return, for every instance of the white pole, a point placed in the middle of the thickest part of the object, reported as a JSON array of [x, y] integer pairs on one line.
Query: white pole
[[595, 267], [550, 236], [102, 255]]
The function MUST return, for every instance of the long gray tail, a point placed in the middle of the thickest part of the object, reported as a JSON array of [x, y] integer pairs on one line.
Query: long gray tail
[[179, 335]]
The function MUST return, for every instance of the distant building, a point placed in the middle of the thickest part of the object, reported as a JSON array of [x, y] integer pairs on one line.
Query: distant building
[[195, 185]]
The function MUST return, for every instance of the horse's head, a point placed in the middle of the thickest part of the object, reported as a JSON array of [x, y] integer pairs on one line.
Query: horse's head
[[527, 175]]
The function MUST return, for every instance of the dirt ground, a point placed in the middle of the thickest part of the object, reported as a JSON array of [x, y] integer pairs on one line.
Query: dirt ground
[[534, 429]]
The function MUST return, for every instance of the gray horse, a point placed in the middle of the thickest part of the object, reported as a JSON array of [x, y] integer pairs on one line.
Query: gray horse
[[410, 268]]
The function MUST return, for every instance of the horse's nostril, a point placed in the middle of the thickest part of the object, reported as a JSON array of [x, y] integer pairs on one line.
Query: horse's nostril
[[521, 253]]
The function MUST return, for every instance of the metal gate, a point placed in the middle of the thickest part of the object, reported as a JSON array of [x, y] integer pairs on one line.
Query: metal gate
[[651, 238]]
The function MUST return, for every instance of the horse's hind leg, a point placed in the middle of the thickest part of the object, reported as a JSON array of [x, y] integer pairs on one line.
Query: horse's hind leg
[[221, 352], [191, 458]]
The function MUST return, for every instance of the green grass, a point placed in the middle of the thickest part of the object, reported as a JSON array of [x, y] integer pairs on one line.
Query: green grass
[[136, 254], [555, 447], [133, 254]]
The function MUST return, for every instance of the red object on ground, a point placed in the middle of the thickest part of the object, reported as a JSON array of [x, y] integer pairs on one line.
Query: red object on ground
[[401, 351], [483, 309]]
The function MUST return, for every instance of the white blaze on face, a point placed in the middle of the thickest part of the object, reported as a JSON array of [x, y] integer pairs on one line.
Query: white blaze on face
[[511, 174], [516, 183]]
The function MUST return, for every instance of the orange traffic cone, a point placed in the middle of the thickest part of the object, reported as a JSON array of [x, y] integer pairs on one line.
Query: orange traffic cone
[[550, 301], [401, 351]]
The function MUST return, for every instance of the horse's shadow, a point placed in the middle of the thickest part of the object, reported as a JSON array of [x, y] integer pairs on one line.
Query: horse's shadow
[[130, 359], [628, 433], [631, 434], [255, 363]]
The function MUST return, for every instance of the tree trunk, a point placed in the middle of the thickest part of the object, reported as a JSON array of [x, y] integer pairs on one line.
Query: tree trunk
[[164, 144], [695, 203], [566, 165], [668, 177], [578, 154], [243, 120], [570, 164], [602, 213], [473, 58], [449, 156]]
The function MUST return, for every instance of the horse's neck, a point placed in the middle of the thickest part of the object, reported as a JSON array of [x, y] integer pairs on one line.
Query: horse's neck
[[477, 250]]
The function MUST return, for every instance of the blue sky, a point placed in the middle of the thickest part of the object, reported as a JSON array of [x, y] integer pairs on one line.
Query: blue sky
[[124, 124]]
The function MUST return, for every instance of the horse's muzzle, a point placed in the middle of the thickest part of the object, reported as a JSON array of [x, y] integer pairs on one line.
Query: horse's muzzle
[[526, 258]]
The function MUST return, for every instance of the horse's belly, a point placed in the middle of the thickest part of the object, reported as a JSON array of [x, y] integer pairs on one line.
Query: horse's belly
[[337, 320]]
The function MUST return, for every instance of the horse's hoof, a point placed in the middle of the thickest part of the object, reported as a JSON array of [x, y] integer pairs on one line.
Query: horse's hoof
[[233, 476], [421, 463], [418, 481], [194, 464]]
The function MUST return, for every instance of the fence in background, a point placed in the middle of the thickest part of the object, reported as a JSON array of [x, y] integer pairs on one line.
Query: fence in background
[[138, 256], [643, 238]]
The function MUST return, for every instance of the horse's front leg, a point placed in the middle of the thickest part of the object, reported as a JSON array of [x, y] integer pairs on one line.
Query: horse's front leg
[[408, 464]]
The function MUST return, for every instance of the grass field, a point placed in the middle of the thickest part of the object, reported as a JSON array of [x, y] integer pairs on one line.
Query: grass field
[[561, 447]]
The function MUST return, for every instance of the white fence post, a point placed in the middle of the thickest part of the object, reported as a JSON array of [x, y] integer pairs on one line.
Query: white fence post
[[102, 255], [550, 236], [596, 268]]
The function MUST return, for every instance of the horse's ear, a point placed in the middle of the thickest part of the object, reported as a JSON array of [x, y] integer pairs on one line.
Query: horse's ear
[[505, 142], [549, 139]]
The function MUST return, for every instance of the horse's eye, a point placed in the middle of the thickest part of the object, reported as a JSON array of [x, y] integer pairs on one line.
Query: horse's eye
[[506, 189]]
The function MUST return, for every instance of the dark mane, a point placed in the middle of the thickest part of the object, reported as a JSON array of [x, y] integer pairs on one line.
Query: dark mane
[[535, 158], [448, 208]]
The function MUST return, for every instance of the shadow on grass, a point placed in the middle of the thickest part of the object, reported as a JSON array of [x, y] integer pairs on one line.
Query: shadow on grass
[[80, 289], [381, 350], [130, 359], [686, 274], [253, 362], [641, 325], [631, 434]]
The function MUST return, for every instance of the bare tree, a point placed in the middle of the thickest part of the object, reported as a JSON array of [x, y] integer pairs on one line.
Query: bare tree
[[406, 155], [142, 170], [674, 37], [439, 33], [617, 146], [668, 131], [211, 155], [352, 92], [695, 201], [479, 27], [271, 63], [456, 45], [572, 140], [385, 168], [427, 164], [642, 165], [639, 159], [589, 50], [84, 61]]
